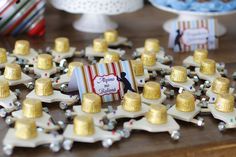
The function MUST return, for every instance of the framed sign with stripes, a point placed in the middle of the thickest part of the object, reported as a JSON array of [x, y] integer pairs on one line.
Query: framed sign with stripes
[[190, 35], [110, 81], [22, 16]]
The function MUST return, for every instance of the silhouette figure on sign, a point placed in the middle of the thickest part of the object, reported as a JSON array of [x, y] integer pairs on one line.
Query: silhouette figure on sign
[[125, 81], [178, 38]]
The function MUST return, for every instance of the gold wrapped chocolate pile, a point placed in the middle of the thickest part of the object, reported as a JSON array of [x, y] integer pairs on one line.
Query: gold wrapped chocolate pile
[[152, 45], [220, 85], [3, 55], [43, 87], [157, 114], [185, 102], [84, 125], [152, 90], [62, 45], [148, 58], [111, 36], [111, 57], [200, 55], [12, 71], [32, 108], [178, 74], [45, 62], [137, 67], [225, 103], [91, 103], [100, 45], [208, 67], [132, 102], [22, 47], [25, 129], [4, 89], [72, 66]]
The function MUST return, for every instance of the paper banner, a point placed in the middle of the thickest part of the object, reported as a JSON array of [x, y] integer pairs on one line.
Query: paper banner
[[110, 81], [190, 35]]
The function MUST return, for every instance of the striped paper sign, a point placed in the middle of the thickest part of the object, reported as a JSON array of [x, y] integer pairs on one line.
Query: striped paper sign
[[190, 35], [20, 16], [110, 81]]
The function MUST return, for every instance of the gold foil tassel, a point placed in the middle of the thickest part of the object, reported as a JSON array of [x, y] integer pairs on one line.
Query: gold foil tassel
[[84, 125], [100, 45], [22, 47], [138, 67], [111, 36], [43, 87], [12, 71], [32, 108], [152, 90], [132, 102], [148, 58], [157, 114], [178, 74], [25, 129], [91, 103], [185, 102]]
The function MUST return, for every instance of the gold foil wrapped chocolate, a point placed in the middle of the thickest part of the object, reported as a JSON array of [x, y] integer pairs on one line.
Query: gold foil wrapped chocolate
[[148, 58], [152, 90], [62, 45], [72, 66], [25, 129], [44, 62], [91, 103], [157, 114], [22, 47], [3, 55], [100, 45], [32, 108], [12, 71], [200, 55], [111, 36], [225, 103], [111, 57], [132, 102], [4, 89], [178, 74], [185, 102], [208, 67], [152, 45], [84, 125], [220, 85], [138, 67], [43, 87]]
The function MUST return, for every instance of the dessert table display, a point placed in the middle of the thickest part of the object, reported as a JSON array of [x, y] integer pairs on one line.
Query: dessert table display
[[119, 128]]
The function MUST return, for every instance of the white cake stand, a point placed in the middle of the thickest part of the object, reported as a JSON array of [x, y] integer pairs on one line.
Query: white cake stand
[[192, 15], [95, 18]]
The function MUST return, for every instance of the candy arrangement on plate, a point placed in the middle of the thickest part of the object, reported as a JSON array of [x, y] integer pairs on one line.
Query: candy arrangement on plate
[[88, 119]]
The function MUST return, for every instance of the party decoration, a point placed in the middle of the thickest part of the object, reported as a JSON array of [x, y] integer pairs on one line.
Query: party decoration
[[111, 81], [20, 16], [189, 35]]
